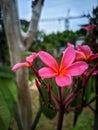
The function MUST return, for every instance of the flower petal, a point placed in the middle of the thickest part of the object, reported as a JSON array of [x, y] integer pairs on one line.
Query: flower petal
[[64, 80], [89, 27], [19, 65], [93, 56], [77, 68], [79, 55], [70, 44], [48, 60], [31, 57], [68, 57], [85, 49], [47, 72]]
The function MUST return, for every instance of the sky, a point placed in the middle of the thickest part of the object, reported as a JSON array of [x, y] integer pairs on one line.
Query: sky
[[59, 9]]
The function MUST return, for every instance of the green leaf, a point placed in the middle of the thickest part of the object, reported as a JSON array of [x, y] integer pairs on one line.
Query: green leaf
[[77, 101], [5, 116], [6, 72], [8, 95], [90, 89], [78, 112], [9, 89], [2, 124], [66, 91], [27, 53], [46, 111], [54, 87]]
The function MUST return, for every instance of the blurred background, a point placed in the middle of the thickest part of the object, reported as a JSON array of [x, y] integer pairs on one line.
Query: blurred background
[[58, 16]]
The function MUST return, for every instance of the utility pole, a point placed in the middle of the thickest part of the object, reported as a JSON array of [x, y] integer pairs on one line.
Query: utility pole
[[67, 20]]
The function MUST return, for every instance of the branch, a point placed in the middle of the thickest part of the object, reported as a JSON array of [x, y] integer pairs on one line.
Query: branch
[[36, 120], [36, 12], [80, 106], [91, 108], [35, 2]]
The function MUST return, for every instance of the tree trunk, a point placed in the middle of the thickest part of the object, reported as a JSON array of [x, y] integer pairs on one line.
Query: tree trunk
[[18, 43]]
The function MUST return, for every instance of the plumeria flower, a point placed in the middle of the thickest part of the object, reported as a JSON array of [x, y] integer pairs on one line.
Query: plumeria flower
[[84, 52], [89, 27], [28, 63], [63, 73], [70, 44]]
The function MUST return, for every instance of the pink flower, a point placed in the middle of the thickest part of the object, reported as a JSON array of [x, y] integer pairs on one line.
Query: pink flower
[[84, 52], [70, 44], [28, 63], [66, 70], [89, 27]]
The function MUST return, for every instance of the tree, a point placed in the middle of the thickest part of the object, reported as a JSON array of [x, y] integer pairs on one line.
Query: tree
[[18, 42]]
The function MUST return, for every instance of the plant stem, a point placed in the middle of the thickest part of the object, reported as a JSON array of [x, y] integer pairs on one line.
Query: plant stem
[[60, 118], [61, 109]]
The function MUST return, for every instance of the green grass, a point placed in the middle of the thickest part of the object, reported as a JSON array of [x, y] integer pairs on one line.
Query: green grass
[[85, 122]]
